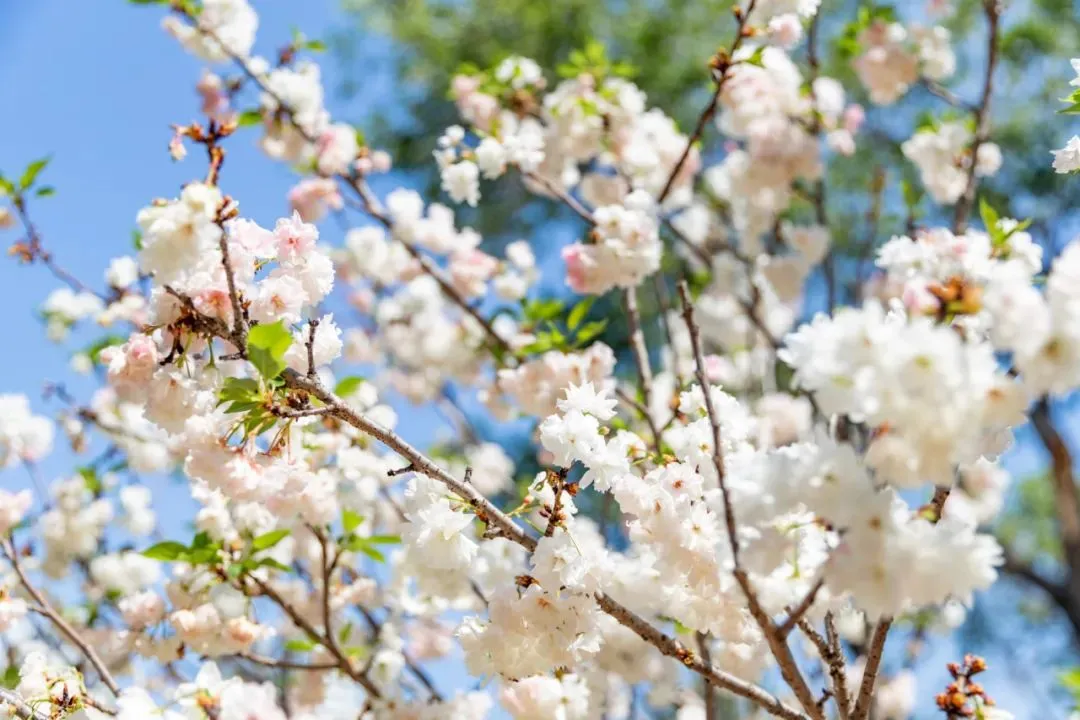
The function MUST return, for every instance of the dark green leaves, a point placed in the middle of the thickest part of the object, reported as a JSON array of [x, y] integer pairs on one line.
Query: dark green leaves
[[266, 348]]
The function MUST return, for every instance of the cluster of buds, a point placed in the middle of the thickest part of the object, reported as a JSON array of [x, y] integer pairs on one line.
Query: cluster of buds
[[964, 697]]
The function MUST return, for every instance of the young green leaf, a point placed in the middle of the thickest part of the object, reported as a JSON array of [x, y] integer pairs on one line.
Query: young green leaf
[[31, 172], [249, 118], [350, 520], [266, 347], [579, 312], [168, 550], [268, 540]]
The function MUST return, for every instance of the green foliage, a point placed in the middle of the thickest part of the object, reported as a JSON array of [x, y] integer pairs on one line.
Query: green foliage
[[593, 60], [557, 328], [249, 118], [266, 348], [268, 540], [846, 45], [1070, 681]]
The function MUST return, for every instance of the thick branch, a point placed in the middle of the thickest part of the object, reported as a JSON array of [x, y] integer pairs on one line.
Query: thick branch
[[874, 654], [1066, 496]]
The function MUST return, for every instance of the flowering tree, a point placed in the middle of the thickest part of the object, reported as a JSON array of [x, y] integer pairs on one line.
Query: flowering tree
[[773, 495]]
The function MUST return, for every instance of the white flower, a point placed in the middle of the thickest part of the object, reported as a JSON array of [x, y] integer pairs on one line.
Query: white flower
[[461, 181], [1067, 159], [491, 158]]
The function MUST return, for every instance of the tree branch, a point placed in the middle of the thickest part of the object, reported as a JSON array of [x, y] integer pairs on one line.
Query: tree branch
[[992, 9], [789, 669], [46, 609]]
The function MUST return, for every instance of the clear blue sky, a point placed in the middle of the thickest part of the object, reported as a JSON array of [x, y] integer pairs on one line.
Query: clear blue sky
[[97, 84]]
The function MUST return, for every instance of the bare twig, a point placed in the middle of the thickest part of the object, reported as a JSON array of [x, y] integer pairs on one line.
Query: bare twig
[[874, 653], [313, 325], [801, 609], [21, 708], [286, 664], [992, 9], [45, 608], [709, 696], [789, 669], [724, 65], [641, 361], [344, 663]]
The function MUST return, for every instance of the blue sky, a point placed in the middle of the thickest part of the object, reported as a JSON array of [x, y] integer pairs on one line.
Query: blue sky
[[96, 85]]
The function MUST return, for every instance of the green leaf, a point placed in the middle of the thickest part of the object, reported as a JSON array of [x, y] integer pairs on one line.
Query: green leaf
[[10, 678], [32, 171], [350, 520], [989, 215], [90, 479], [249, 118], [272, 563], [540, 310], [579, 312], [6, 187], [268, 540], [46, 191], [136, 239], [315, 46], [372, 553], [758, 58], [266, 347], [301, 645], [347, 386], [383, 539], [168, 550], [590, 332], [243, 393]]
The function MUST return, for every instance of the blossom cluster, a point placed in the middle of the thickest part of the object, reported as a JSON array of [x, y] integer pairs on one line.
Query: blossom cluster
[[761, 470]]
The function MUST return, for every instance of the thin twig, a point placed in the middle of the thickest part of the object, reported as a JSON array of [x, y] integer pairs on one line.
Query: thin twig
[[707, 690], [992, 9], [789, 669], [344, 663], [801, 609], [641, 361], [742, 17], [45, 608]]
